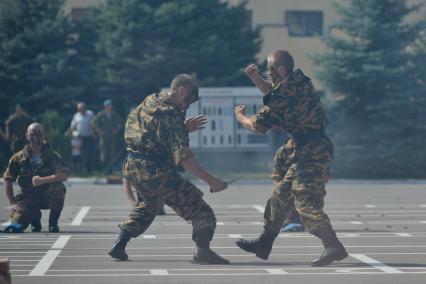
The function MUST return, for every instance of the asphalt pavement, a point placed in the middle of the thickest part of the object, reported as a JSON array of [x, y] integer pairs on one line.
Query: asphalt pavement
[[382, 225]]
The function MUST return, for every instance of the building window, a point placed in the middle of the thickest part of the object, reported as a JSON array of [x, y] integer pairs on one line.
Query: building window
[[229, 139], [304, 23], [221, 140], [204, 140], [213, 140], [213, 125]]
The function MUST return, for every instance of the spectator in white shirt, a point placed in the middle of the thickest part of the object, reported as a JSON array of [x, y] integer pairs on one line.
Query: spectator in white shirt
[[82, 124]]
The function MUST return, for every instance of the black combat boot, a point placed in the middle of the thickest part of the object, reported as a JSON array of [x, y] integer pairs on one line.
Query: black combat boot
[[53, 221], [203, 254], [117, 250], [334, 250], [36, 222], [261, 246]]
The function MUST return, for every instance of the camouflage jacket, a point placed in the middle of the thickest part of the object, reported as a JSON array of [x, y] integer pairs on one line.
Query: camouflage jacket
[[16, 127], [293, 105], [157, 128], [107, 124], [22, 169]]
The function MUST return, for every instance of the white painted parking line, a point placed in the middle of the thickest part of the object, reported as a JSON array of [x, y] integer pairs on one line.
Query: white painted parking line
[[356, 222], [259, 208], [80, 216], [149, 236], [369, 206], [158, 272], [235, 236], [61, 242], [423, 205], [422, 222], [375, 263], [276, 271], [220, 223], [44, 264], [403, 234]]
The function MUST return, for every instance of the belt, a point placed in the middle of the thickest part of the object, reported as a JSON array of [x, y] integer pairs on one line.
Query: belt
[[142, 156], [306, 136]]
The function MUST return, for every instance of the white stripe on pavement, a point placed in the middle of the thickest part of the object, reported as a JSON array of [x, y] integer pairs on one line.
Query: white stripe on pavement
[[276, 271], [44, 264], [158, 272], [375, 263], [259, 208], [80, 216], [403, 234]]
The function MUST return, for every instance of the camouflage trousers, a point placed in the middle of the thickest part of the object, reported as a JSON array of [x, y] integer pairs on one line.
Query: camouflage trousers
[[282, 162], [302, 188], [171, 189], [52, 197]]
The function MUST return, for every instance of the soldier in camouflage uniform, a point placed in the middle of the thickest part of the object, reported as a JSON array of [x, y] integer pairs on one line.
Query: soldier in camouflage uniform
[[16, 126], [107, 124], [158, 143], [40, 173], [291, 103], [282, 162]]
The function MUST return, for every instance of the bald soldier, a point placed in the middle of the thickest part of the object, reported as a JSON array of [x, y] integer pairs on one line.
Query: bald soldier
[[39, 172], [158, 144], [291, 103]]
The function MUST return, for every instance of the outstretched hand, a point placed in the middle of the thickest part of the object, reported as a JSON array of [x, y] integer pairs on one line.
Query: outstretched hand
[[195, 123]]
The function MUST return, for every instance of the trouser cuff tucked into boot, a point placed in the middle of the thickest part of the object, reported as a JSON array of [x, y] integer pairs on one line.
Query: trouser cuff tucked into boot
[[334, 249], [203, 254], [118, 249]]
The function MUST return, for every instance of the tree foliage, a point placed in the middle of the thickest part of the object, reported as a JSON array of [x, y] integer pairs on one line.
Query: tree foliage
[[372, 63], [39, 60], [142, 45]]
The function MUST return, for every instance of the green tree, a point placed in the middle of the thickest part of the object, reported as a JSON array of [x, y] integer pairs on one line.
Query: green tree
[[378, 126], [39, 56], [143, 44]]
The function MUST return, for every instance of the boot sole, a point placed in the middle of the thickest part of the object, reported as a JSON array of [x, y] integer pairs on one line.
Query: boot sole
[[203, 262], [259, 255], [337, 258], [117, 257]]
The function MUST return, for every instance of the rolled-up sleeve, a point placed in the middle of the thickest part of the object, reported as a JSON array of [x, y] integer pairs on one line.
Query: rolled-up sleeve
[[264, 119]]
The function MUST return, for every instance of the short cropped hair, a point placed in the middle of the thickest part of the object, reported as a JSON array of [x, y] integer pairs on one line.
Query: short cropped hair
[[283, 58], [183, 80]]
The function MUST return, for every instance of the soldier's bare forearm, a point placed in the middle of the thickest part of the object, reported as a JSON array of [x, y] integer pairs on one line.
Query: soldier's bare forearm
[[264, 86], [57, 177], [8, 189], [246, 122], [190, 164]]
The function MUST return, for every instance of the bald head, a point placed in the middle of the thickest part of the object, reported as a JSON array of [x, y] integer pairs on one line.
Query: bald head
[[35, 135], [282, 58], [280, 65]]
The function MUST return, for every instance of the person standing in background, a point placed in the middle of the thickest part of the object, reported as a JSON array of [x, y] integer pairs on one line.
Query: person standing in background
[[82, 123], [16, 128], [107, 124]]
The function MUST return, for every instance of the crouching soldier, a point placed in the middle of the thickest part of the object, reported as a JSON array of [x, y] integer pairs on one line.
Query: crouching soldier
[[39, 172]]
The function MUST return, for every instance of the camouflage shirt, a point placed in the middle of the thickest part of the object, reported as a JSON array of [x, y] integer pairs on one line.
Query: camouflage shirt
[[157, 128], [293, 105], [22, 169], [107, 123], [16, 127]]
